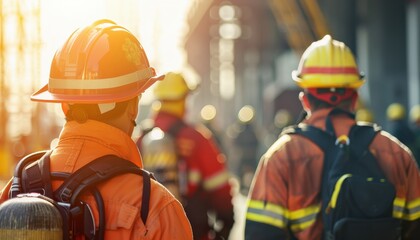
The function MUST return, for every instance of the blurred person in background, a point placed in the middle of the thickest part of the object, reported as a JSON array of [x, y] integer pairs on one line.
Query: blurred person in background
[[206, 193], [364, 115], [98, 77], [398, 124], [286, 197]]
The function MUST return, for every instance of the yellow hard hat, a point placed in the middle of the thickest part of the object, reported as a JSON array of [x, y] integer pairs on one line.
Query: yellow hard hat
[[395, 111], [415, 113], [172, 87], [364, 115], [327, 63]]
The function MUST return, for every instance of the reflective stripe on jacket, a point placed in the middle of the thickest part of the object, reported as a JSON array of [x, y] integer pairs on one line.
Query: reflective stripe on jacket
[[285, 195], [81, 143]]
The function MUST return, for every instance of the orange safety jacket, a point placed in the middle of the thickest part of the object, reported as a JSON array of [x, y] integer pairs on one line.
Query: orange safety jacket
[[208, 178], [81, 143], [285, 194]]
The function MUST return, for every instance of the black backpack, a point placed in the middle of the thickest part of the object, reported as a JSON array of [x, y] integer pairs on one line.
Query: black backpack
[[32, 175], [357, 199]]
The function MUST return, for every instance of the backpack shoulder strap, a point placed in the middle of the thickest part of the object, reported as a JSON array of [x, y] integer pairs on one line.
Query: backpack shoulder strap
[[361, 135], [319, 137], [32, 174], [98, 171]]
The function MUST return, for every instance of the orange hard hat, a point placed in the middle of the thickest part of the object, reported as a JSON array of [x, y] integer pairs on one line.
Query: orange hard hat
[[100, 63]]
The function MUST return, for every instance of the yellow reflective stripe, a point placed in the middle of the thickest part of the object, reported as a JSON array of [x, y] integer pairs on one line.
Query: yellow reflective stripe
[[304, 218], [267, 213], [337, 188], [102, 83], [407, 211], [216, 180], [266, 219], [280, 217], [194, 177]]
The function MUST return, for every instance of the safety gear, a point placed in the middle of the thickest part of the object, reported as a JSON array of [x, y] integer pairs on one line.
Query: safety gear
[[79, 144], [173, 87], [415, 114], [285, 196], [327, 63], [395, 111], [100, 63]]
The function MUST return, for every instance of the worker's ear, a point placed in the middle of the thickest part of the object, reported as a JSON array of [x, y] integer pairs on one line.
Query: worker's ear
[[304, 101]]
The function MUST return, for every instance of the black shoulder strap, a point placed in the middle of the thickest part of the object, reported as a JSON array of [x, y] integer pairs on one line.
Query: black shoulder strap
[[361, 135], [316, 135], [98, 171], [36, 177], [16, 187]]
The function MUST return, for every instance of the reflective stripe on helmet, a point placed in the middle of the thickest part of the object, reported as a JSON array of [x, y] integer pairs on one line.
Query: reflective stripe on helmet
[[330, 70], [104, 83]]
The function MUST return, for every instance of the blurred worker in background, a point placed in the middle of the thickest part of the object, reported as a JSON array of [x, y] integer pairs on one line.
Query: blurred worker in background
[[285, 197], [206, 190], [398, 125], [245, 147], [98, 76], [364, 115], [415, 121]]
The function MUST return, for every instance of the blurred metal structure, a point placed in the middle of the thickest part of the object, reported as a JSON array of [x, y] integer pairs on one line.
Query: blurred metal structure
[[302, 21], [20, 57]]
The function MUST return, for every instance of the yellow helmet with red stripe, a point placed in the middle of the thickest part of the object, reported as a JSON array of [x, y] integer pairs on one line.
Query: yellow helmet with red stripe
[[328, 63], [100, 63]]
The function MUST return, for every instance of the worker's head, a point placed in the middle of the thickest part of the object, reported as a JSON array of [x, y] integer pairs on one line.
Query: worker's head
[[99, 73], [172, 92], [328, 75], [364, 115], [395, 112], [415, 114]]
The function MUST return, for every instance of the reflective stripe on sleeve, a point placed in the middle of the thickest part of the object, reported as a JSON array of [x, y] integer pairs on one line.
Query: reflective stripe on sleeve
[[279, 216], [304, 218], [216, 181], [406, 210], [271, 214]]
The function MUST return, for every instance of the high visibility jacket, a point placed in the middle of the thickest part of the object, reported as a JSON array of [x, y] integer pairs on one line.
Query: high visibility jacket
[[285, 194], [208, 185], [81, 143]]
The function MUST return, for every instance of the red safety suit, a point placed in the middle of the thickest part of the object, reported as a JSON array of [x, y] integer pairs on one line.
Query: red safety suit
[[284, 198], [81, 143], [208, 186]]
